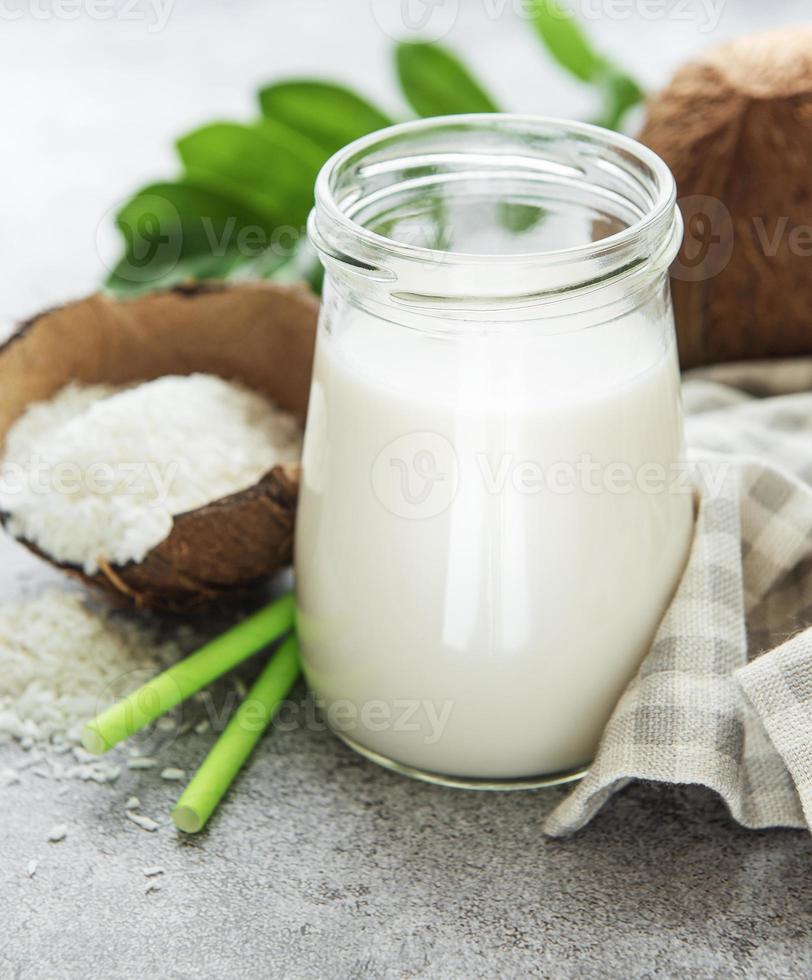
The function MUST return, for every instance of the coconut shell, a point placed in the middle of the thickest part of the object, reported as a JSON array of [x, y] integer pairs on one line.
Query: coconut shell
[[735, 127], [259, 334]]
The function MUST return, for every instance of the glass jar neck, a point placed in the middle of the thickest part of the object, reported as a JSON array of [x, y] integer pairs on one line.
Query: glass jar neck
[[484, 214]]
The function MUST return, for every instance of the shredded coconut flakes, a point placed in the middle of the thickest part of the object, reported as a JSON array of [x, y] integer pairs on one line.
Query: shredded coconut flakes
[[173, 775], [100, 472], [145, 823], [60, 664]]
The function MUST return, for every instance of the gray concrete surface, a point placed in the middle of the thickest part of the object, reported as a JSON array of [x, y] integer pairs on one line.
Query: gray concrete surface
[[321, 865]]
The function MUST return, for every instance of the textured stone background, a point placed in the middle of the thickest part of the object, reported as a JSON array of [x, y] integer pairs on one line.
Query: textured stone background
[[319, 864]]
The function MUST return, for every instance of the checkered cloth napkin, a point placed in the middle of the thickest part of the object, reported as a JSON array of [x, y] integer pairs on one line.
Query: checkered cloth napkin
[[724, 697]]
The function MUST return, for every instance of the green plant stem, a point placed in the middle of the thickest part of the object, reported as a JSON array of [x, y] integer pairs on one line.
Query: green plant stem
[[231, 750], [163, 692]]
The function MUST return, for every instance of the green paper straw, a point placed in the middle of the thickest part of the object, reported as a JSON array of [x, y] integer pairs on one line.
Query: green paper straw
[[230, 751], [163, 692]]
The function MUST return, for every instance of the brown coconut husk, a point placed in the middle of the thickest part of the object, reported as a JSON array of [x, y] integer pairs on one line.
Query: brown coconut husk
[[736, 125], [259, 334]]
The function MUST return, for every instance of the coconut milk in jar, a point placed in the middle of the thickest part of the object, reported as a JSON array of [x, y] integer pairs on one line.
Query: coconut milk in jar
[[492, 516]]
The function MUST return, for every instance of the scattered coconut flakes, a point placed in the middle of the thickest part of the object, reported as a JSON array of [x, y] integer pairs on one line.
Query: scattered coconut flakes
[[60, 662], [31, 868], [109, 772], [153, 886], [145, 823], [57, 833], [222, 439], [98, 772], [133, 803], [153, 870], [173, 775], [142, 762], [8, 776]]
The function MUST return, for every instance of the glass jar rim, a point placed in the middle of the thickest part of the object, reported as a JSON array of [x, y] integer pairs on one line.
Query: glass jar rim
[[646, 244]]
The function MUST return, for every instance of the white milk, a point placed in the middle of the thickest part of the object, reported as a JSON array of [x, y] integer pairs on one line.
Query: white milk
[[470, 603]]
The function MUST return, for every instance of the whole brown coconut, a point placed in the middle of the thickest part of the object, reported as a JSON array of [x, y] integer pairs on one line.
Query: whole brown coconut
[[259, 334], [735, 127]]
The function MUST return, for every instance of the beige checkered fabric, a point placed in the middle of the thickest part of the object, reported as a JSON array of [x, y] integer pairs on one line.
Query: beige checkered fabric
[[724, 697]]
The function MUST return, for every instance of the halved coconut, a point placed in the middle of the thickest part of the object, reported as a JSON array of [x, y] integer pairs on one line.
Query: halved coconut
[[260, 334], [735, 127]]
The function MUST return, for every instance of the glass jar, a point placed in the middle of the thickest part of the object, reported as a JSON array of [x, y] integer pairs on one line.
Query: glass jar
[[494, 512]]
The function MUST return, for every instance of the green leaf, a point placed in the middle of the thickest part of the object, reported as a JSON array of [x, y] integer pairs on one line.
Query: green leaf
[[570, 47], [266, 165], [565, 40], [517, 217], [436, 83], [303, 266], [186, 270], [174, 231], [328, 114], [620, 93]]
